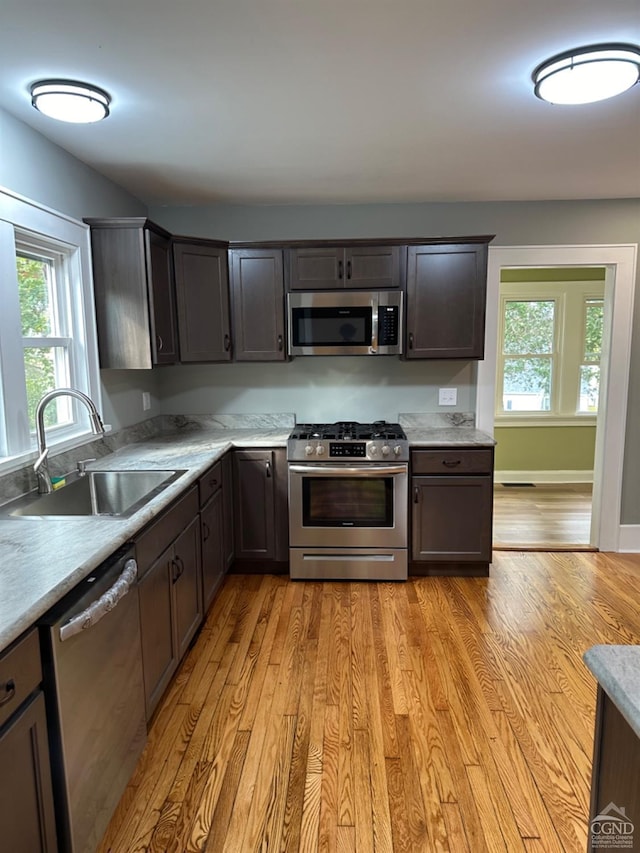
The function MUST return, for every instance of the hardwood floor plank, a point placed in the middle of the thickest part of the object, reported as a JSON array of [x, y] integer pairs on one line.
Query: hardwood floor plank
[[280, 732]]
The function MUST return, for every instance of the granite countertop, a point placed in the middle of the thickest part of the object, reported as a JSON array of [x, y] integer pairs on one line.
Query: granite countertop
[[617, 669], [44, 558]]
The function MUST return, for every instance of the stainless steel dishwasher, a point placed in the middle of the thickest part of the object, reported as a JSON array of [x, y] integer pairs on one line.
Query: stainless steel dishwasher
[[92, 665]]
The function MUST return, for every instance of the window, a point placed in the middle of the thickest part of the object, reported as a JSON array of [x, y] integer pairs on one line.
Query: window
[[47, 330], [549, 350]]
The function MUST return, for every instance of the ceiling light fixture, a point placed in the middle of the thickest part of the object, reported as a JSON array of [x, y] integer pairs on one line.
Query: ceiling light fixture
[[68, 100], [588, 74]]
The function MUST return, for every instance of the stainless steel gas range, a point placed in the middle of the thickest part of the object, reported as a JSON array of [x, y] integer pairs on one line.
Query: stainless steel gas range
[[348, 494]]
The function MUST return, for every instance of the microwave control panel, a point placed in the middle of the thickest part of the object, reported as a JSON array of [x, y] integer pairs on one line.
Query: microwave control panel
[[388, 325]]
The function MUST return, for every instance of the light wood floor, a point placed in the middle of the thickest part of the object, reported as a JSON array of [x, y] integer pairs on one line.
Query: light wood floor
[[545, 516], [438, 714]]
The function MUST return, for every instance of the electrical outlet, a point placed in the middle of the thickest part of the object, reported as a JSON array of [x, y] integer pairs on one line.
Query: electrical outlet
[[146, 401], [447, 396]]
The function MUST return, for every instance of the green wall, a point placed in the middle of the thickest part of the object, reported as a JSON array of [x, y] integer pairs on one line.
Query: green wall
[[561, 448]]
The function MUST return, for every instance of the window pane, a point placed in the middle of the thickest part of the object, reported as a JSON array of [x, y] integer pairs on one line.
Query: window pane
[[35, 277], [528, 326], [594, 314], [46, 368], [589, 388], [527, 385]]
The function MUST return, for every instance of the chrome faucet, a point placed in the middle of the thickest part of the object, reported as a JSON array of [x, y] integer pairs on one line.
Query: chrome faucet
[[41, 466]]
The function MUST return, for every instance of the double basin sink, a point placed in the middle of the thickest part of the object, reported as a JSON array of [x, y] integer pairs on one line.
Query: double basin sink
[[115, 494]]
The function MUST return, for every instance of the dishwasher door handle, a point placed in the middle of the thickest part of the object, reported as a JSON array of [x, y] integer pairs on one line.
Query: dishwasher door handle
[[102, 605]]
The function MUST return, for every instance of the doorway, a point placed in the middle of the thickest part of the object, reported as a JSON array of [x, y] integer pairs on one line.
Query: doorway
[[547, 393], [619, 261]]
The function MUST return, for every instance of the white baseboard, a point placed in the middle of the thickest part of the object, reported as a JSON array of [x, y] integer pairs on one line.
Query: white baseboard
[[543, 477], [629, 542]]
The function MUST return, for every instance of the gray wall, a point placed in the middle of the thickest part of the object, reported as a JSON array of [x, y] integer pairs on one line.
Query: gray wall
[[33, 167], [513, 223]]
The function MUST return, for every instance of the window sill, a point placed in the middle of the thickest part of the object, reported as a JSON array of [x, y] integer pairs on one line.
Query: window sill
[[546, 421]]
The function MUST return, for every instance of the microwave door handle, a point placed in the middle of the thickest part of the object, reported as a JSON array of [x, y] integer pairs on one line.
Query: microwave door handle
[[374, 324]]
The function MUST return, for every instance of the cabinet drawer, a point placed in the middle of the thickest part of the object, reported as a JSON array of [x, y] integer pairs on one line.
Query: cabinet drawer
[[452, 461], [159, 535], [210, 482], [20, 674]]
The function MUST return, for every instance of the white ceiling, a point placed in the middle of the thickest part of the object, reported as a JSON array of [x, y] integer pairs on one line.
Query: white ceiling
[[329, 101]]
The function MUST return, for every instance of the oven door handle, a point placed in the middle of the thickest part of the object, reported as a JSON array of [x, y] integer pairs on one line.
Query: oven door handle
[[331, 471]]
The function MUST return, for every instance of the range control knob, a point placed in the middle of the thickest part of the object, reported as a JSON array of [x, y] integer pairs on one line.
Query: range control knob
[[386, 450], [319, 450], [373, 450], [397, 450], [308, 450]]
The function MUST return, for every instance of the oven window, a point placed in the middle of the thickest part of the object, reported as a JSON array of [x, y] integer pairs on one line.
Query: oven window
[[347, 501], [331, 326]]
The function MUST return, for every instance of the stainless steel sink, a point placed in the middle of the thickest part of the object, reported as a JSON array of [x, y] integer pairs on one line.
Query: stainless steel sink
[[108, 493]]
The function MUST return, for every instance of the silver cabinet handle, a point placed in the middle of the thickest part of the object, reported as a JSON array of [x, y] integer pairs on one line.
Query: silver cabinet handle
[[280, 342], [159, 340], [268, 466], [103, 605]]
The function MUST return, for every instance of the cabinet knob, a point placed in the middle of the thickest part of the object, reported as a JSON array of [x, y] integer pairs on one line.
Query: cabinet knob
[[280, 343], [410, 340]]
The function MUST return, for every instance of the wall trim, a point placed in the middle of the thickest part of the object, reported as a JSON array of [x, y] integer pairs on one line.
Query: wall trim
[[629, 538], [543, 476]]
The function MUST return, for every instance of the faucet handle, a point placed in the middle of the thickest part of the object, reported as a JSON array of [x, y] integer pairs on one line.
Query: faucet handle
[[82, 465]]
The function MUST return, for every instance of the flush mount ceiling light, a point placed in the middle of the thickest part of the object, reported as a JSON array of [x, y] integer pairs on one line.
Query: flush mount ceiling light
[[68, 100], [588, 74]]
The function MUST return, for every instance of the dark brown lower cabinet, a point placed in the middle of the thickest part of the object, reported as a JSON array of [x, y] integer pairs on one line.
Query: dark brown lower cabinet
[[213, 566], [170, 592], [615, 780], [452, 512], [27, 820], [260, 506]]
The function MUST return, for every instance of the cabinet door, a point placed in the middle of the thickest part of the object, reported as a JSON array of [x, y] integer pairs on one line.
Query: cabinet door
[[227, 511], [452, 518], [373, 267], [317, 269], [26, 799], [258, 304], [254, 494], [165, 339], [446, 298], [159, 651], [202, 293], [187, 586], [213, 565]]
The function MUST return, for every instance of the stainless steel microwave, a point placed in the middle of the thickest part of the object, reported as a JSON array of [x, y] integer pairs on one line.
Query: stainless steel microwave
[[345, 322]]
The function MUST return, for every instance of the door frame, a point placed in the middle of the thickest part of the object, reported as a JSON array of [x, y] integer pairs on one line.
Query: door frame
[[620, 263]]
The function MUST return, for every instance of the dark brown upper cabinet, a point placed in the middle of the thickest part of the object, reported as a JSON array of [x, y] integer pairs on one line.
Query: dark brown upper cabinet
[[349, 267], [134, 295], [257, 287], [202, 296], [446, 300]]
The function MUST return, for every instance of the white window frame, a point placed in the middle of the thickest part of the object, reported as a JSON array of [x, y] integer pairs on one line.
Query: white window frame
[[568, 347], [27, 225]]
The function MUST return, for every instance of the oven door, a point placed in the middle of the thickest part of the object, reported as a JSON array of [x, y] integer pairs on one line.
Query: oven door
[[348, 506]]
